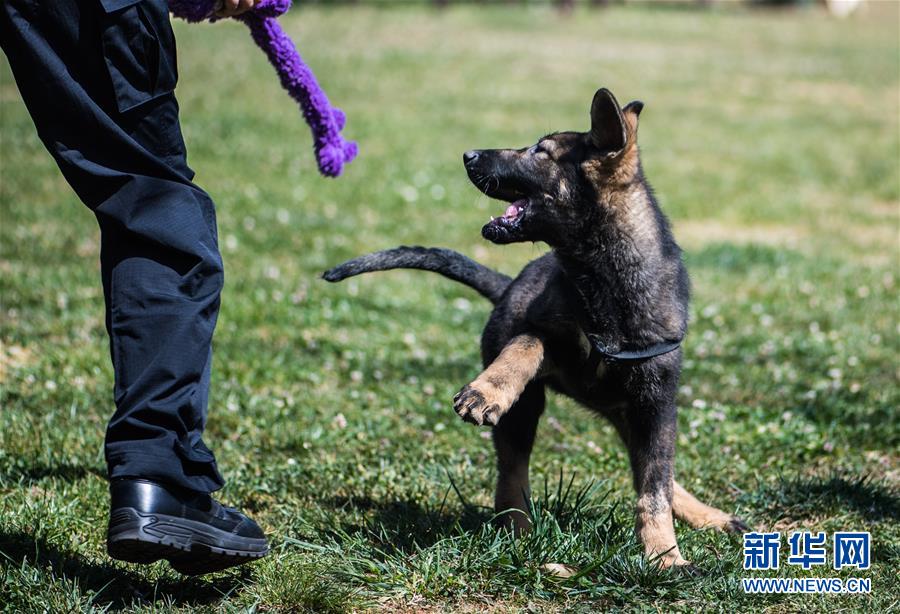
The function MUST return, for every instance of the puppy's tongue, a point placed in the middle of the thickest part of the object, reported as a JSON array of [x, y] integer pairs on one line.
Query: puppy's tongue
[[513, 210]]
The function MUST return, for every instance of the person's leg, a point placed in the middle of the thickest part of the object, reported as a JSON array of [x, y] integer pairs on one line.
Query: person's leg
[[99, 87]]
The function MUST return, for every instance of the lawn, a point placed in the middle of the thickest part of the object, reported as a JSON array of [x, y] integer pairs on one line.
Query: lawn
[[772, 141]]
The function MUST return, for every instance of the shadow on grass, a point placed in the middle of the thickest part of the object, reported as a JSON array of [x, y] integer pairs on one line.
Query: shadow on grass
[[405, 526], [838, 493], [114, 586]]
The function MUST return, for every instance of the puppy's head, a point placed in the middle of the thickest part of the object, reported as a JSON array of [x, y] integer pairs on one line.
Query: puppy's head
[[552, 188]]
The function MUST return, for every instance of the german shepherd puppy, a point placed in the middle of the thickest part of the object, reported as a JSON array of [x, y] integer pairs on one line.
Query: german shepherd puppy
[[599, 318]]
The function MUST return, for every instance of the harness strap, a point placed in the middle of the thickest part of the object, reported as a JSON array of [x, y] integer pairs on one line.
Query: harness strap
[[604, 353]]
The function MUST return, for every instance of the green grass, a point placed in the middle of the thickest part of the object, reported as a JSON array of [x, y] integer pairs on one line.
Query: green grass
[[772, 141]]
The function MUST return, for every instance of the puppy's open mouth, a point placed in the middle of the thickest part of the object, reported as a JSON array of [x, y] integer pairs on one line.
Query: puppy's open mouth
[[504, 229], [514, 213], [517, 191]]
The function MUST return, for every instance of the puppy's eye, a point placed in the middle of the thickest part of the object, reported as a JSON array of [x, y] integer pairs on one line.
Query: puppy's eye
[[536, 149]]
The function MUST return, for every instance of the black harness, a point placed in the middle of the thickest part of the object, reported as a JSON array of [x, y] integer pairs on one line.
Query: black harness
[[600, 352]]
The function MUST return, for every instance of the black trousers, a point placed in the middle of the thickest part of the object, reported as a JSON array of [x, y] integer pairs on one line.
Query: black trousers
[[99, 84]]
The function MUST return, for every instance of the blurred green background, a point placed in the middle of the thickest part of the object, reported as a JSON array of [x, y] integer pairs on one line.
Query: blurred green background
[[771, 138]]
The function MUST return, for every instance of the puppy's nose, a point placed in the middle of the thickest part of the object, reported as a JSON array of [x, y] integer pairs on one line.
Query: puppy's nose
[[470, 156]]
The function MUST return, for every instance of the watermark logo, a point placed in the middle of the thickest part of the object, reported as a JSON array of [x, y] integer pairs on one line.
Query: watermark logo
[[832, 586], [761, 550], [852, 550], [806, 550]]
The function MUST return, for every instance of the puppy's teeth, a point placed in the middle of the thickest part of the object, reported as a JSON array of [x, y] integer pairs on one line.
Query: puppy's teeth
[[492, 218]]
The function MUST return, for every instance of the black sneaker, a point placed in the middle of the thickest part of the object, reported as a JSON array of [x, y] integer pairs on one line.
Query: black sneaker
[[191, 530]]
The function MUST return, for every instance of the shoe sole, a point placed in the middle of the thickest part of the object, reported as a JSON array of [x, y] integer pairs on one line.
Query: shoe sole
[[191, 547]]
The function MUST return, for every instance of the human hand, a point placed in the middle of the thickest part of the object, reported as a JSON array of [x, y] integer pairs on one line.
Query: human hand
[[230, 8]]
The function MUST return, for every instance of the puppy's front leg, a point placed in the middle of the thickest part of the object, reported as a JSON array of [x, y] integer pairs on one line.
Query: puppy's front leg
[[651, 447], [491, 394]]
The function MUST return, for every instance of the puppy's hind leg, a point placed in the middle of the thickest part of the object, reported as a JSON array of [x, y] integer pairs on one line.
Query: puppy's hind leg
[[513, 440], [700, 516]]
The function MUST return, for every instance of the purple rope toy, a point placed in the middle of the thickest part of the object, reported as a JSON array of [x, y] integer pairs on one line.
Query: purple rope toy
[[325, 121]]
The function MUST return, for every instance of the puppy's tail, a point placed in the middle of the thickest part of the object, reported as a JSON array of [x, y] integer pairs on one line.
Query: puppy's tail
[[487, 282]]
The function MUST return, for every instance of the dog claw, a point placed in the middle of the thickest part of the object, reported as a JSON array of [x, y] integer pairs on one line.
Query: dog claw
[[468, 404], [470, 419], [491, 415], [472, 406], [736, 525], [689, 570]]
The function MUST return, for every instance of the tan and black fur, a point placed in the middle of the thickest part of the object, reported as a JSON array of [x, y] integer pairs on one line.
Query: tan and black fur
[[615, 273]]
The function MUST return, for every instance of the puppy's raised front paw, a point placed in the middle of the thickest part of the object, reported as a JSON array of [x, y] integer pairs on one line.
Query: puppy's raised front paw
[[474, 406]]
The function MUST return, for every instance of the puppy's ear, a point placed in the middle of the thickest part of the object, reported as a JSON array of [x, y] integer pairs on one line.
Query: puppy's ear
[[631, 112], [635, 106], [607, 123]]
